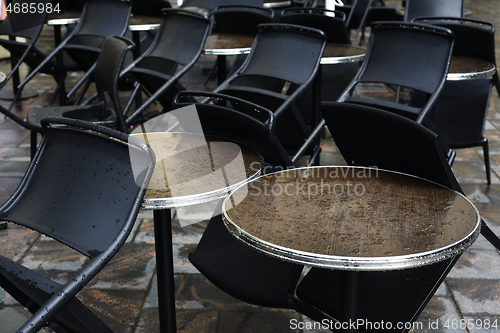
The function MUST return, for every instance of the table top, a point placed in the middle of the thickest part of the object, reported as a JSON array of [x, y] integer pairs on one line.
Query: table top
[[342, 53], [277, 3], [466, 68], [235, 44], [136, 22], [193, 169], [228, 44], [352, 218]]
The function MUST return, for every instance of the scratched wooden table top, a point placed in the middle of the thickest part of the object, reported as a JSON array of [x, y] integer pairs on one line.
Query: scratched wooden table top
[[352, 218], [192, 168]]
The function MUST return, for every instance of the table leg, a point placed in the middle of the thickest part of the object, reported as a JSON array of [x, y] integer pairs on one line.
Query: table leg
[[8, 94], [350, 300], [165, 269], [221, 69]]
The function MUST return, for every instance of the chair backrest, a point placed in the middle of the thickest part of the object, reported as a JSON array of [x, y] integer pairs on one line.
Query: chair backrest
[[149, 7], [104, 18], [461, 110], [282, 64], [429, 8], [238, 120], [240, 19], [80, 188], [473, 38], [175, 43], [107, 72], [331, 22], [285, 52], [409, 55], [212, 4], [368, 136]]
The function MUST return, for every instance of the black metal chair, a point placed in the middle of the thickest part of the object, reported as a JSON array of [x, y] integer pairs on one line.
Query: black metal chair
[[230, 265], [99, 19], [404, 56], [282, 64], [173, 52], [106, 77], [71, 194], [460, 112], [368, 136], [335, 77], [29, 27], [433, 8]]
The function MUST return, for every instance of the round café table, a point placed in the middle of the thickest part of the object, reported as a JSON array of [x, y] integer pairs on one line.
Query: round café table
[[190, 169], [467, 68], [352, 219]]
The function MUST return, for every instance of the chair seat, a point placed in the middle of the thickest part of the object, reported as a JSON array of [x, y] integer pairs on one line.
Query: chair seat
[[98, 114], [401, 109]]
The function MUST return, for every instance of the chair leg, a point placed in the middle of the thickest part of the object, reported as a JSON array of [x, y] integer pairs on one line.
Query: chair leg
[[33, 143], [486, 153], [490, 235], [3, 225]]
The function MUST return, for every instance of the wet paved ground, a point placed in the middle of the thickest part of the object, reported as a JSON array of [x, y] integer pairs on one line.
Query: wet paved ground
[[124, 294]]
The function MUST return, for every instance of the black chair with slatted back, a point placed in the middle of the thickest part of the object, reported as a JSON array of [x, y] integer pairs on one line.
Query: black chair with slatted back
[[460, 112], [80, 190], [372, 137]]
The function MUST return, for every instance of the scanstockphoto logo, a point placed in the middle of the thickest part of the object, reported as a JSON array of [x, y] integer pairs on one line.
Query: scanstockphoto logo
[[188, 165], [24, 15], [311, 182]]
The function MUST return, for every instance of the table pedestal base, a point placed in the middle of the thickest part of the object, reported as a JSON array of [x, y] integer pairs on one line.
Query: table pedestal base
[[8, 94], [165, 269]]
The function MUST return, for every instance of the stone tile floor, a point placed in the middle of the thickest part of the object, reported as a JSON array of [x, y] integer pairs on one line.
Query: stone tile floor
[[124, 294]]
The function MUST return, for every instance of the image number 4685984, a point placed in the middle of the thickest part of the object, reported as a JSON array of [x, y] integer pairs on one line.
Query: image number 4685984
[[26, 14]]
